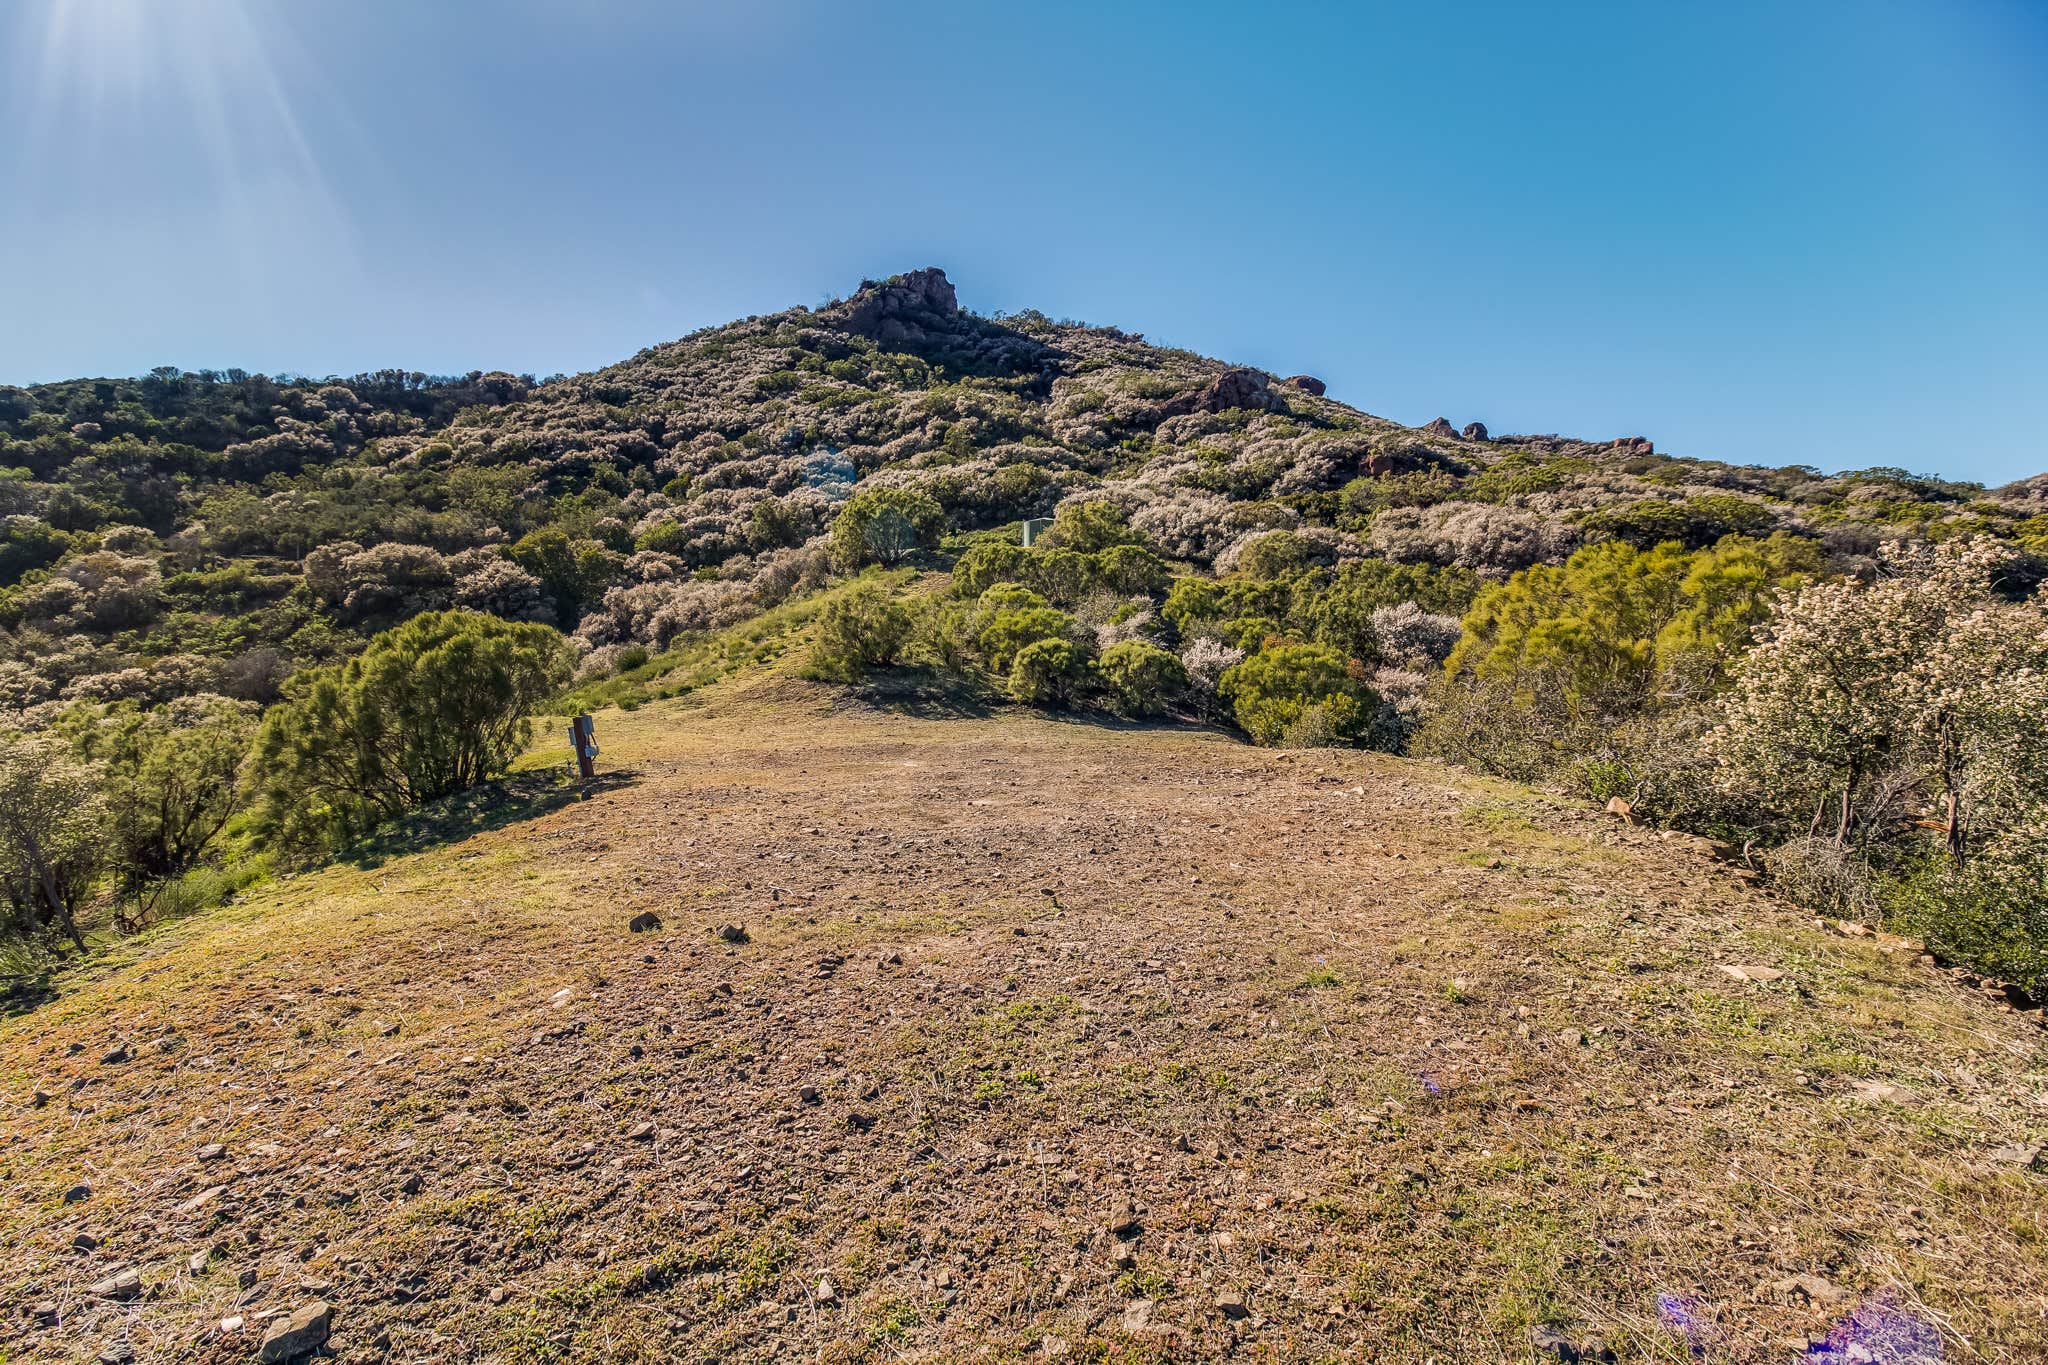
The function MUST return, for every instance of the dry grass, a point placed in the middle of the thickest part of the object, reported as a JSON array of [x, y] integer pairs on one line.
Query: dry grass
[[1409, 1060]]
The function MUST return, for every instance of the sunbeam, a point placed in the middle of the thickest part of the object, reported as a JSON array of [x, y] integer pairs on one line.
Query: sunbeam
[[200, 91]]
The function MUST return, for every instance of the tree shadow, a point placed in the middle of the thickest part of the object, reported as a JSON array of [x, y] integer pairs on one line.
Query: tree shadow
[[25, 994], [493, 805], [926, 694]]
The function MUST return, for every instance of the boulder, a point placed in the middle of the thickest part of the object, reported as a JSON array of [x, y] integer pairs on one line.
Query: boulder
[[1307, 383], [298, 1333], [903, 310], [643, 921], [1474, 431], [1239, 387], [1634, 445], [1441, 426]]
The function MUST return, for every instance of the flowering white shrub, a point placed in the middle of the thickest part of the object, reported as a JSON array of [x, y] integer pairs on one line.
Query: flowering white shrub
[[1924, 686]]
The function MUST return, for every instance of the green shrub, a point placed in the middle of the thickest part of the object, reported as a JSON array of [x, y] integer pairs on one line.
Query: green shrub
[[1009, 632], [1062, 575], [860, 629], [1132, 570], [431, 707], [883, 525], [1141, 677], [1086, 527], [982, 566], [1269, 691], [1047, 671]]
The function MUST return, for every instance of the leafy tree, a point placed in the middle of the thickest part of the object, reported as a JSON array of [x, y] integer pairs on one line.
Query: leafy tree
[[1269, 691], [1856, 694], [1062, 575], [982, 566], [1141, 676], [572, 572], [1047, 671], [1088, 526], [1008, 632], [860, 629], [431, 707], [52, 820], [1132, 570], [1612, 623], [173, 778], [883, 525]]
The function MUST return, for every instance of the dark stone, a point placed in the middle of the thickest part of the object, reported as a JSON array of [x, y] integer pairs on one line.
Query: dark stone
[[1234, 388], [904, 310], [1307, 383], [1552, 1344], [1474, 431], [644, 921], [1441, 426]]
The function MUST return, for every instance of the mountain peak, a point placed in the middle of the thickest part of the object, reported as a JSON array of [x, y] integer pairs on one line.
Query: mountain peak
[[903, 308]]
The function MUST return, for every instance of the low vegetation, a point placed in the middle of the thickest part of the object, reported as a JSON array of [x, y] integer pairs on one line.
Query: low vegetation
[[243, 620]]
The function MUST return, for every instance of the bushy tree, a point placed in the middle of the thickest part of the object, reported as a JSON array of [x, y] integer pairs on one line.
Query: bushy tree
[[431, 707], [1047, 671], [983, 565], [1008, 631], [1856, 694], [572, 572], [1088, 525], [883, 525], [172, 779], [862, 628], [52, 826], [1141, 677], [1613, 623], [1269, 691], [1132, 571]]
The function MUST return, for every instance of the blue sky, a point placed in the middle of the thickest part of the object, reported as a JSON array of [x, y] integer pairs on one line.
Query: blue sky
[[1783, 232]]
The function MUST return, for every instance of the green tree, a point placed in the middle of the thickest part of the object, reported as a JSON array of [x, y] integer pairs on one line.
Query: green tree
[[1132, 570], [173, 778], [1089, 526], [883, 525], [859, 629], [1269, 692], [1047, 671], [982, 566], [431, 707], [52, 825], [573, 572], [1141, 676], [1009, 631]]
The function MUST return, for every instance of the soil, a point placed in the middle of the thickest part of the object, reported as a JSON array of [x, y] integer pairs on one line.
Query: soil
[[1034, 1038]]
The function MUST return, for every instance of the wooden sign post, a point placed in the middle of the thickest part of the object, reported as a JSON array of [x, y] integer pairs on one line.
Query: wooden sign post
[[583, 739]]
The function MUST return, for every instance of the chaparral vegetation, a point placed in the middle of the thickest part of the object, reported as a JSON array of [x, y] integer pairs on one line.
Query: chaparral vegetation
[[1837, 674]]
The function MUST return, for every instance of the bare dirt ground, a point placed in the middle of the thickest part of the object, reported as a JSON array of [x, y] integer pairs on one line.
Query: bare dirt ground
[[1046, 1040]]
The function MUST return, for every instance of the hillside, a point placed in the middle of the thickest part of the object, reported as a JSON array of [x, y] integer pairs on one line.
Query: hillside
[[214, 532], [1045, 1039]]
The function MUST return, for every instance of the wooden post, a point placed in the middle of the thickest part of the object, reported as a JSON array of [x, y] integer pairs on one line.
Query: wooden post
[[583, 739]]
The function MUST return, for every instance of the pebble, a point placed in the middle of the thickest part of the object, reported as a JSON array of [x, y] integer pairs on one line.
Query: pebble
[[297, 1333], [122, 1284]]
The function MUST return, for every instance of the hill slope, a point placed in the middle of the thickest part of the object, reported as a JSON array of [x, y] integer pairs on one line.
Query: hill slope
[[1362, 1058], [213, 532]]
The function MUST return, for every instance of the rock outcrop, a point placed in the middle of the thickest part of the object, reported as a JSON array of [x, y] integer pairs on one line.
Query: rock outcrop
[[1634, 445], [1474, 431], [903, 310], [1441, 426], [1234, 388], [1307, 383]]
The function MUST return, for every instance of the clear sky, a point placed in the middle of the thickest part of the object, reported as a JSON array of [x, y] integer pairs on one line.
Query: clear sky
[[1780, 231]]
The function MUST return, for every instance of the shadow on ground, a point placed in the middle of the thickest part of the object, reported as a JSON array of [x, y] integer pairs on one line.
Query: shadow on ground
[[493, 805]]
